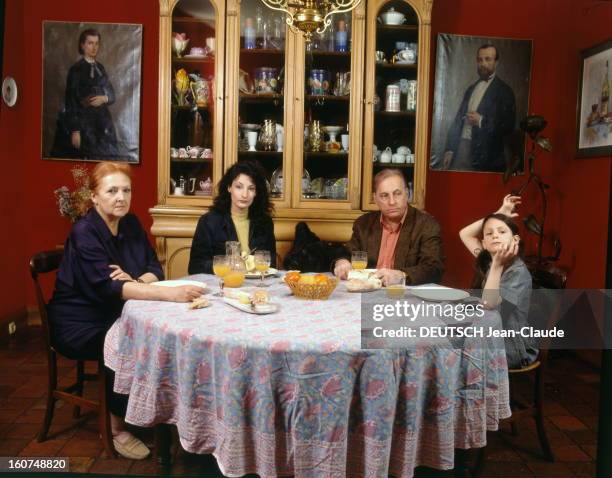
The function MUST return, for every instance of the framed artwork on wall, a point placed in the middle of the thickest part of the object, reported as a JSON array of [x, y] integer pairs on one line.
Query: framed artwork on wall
[[594, 118], [481, 93], [91, 91]]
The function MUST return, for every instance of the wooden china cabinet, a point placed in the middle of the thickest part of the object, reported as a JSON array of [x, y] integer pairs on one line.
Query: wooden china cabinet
[[251, 89]]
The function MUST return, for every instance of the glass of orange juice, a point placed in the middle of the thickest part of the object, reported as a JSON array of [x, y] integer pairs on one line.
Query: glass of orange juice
[[237, 271], [359, 260], [396, 285], [262, 264], [221, 267]]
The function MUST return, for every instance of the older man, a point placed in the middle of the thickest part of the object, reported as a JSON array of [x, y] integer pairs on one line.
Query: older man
[[400, 240]]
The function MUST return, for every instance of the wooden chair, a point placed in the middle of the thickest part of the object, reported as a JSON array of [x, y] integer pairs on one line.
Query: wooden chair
[[43, 263], [544, 277]]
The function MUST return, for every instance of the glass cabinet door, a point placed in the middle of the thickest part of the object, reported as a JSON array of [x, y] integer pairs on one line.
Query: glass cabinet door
[[194, 152], [391, 91], [328, 112], [257, 119]]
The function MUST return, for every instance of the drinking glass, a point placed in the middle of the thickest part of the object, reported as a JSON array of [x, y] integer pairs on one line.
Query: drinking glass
[[232, 248], [396, 286], [262, 264], [359, 260], [221, 268]]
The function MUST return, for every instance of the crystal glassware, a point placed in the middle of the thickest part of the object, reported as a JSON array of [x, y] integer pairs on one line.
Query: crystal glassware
[[262, 264], [221, 267], [359, 260]]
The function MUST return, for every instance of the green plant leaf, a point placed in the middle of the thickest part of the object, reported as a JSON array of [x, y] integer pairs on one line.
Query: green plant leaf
[[544, 143], [532, 224]]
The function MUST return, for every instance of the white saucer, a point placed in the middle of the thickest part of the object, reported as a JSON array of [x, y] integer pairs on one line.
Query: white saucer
[[256, 275], [194, 56], [439, 293]]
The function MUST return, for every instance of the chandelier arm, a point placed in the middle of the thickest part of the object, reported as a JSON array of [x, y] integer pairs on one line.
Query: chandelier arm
[[340, 7]]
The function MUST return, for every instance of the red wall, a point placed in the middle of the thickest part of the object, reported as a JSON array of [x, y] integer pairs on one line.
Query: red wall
[[559, 29], [37, 224], [579, 188]]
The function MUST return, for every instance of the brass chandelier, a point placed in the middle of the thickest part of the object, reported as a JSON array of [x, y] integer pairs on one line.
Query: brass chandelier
[[308, 16]]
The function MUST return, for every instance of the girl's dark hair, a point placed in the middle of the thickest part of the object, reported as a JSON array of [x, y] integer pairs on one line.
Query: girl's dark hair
[[90, 32], [262, 206], [483, 259]]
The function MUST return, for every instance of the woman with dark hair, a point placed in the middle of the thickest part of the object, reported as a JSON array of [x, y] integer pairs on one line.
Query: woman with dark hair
[[240, 212], [107, 260], [89, 92], [503, 276]]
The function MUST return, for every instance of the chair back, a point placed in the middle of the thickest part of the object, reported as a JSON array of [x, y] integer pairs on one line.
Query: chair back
[[44, 263], [553, 279]]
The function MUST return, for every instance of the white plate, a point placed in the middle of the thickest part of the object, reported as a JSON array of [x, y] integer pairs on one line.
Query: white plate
[[268, 308], [362, 291], [194, 56], [256, 275], [179, 282], [9, 91], [439, 294]]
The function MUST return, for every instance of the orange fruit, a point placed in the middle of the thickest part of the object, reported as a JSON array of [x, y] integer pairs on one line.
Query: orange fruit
[[321, 279], [293, 276], [307, 280]]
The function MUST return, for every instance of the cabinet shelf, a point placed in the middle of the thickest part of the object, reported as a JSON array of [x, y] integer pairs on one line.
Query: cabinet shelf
[[189, 108], [395, 29], [206, 60], [396, 114], [324, 154], [380, 165], [260, 97], [325, 98], [332, 54], [396, 66], [260, 154], [261, 51], [191, 160]]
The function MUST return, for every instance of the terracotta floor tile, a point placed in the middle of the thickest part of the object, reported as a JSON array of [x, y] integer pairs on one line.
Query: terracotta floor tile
[[146, 467], [567, 422], [570, 453], [504, 454], [31, 416], [550, 470], [555, 408], [9, 416], [592, 422], [23, 430], [80, 464], [113, 466], [12, 447], [82, 448], [45, 448], [32, 389], [583, 437], [506, 470], [17, 404], [591, 450], [583, 470]]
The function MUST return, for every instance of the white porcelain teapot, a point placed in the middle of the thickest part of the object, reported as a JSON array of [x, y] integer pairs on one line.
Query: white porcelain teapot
[[386, 155]]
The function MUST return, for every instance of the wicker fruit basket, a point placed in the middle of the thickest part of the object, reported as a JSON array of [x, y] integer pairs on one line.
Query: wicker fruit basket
[[313, 291]]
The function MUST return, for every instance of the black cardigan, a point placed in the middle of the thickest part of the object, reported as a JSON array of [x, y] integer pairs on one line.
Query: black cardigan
[[215, 228]]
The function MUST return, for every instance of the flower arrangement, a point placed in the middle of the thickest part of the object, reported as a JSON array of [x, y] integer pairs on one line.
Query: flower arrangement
[[74, 204]]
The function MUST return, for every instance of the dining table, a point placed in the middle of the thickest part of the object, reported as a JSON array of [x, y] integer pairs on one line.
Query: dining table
[[295, 393]]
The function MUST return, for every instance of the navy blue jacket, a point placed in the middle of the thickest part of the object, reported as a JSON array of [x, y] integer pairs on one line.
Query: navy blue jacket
[[498, 108], [215, 228], [86, 301]]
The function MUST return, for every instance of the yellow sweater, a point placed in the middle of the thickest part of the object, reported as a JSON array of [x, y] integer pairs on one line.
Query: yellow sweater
[[241, 223]]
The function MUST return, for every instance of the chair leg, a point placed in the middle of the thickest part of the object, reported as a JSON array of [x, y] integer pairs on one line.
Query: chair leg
[[104, 414], [51, 387], [539, 416], [79, 389], [163, 443]]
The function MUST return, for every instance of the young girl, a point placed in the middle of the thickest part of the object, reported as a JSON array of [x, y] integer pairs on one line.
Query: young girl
[[506, 282]]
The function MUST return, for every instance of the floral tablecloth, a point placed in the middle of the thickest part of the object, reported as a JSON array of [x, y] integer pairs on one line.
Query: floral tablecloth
[[293, 393]]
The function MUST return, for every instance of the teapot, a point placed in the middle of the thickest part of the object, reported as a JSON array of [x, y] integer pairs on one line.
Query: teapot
[[386, 155], [405, 150]]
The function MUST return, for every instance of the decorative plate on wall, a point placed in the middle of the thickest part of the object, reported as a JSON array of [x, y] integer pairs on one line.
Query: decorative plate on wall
[[9, 91]]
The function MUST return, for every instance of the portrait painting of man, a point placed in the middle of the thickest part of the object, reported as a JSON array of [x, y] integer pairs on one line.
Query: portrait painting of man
[[91, 91], [481, 94]]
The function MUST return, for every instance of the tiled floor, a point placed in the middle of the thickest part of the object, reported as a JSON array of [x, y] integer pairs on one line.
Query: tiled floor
[[571, 392]]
